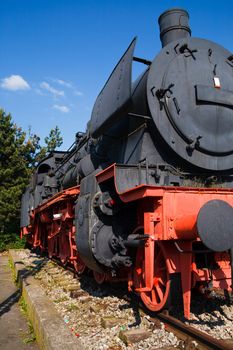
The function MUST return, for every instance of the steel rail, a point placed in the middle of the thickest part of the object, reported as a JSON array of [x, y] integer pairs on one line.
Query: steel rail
[[205, 341], [184, 332]]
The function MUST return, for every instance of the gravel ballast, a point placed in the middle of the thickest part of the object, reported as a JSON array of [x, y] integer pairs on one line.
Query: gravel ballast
[[101, 319]]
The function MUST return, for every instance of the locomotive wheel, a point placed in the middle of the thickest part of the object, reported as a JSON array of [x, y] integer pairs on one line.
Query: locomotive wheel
[[99, 277], [157, 298]]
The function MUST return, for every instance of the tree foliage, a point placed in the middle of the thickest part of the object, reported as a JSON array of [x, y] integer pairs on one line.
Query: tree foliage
[[54, 139], [19, 154]]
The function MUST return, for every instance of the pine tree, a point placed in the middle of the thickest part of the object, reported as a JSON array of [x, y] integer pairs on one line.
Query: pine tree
[[54, 140], [14, 171], [18, 157], [35, 152]]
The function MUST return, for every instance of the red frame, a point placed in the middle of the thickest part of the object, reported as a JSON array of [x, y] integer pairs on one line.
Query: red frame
[[172, 217], [166, 214]]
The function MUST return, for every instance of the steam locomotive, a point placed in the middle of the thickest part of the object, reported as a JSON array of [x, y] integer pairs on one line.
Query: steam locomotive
[[145, 194]]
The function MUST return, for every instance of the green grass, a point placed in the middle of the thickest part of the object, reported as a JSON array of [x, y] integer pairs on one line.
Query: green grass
[[13, 270], [61, 299], [11, 241], [29, 337], [71, 307], [23, 305]]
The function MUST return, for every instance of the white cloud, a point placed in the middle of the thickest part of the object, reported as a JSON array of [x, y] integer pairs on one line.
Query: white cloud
[[78, 93], [44, 85], [67, 84], [14, 82], [39, 92], [63, 82], [63, 109]]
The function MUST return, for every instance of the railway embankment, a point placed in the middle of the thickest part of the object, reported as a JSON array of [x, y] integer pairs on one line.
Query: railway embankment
[[15, 330], [70, 311], [77, 313], [49, 329]]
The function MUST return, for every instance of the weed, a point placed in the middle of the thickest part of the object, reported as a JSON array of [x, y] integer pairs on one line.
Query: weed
[[30, 336], [10, 264], [59, 300], [23, 305], [72, 307], [13, 270], [11, 241]]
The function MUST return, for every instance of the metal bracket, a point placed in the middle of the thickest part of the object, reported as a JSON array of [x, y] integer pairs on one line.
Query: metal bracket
[[185, 49], [142, 60], [155, 217]]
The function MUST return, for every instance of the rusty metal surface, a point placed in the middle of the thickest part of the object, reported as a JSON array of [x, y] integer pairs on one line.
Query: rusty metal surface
[[188, 334]]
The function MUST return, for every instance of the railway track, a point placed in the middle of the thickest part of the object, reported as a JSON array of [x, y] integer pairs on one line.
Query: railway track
[[160, 325], [190, 337]]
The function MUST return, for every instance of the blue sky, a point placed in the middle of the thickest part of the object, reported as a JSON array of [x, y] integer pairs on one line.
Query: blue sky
[[57, 54]]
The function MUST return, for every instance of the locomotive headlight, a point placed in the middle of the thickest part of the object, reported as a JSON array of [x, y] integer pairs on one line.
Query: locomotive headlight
[[217, 84]]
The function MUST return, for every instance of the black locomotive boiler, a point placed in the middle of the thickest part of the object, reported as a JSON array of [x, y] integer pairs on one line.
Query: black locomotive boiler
[[145, 194]]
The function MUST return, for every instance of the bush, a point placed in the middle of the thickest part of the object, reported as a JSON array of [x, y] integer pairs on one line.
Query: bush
[[11, 241]]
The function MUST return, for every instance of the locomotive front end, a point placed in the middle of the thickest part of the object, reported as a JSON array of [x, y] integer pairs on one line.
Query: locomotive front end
[[190, 95], [190, 99]]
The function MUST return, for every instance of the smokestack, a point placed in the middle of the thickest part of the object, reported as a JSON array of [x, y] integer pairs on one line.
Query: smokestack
[[174, 25]]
